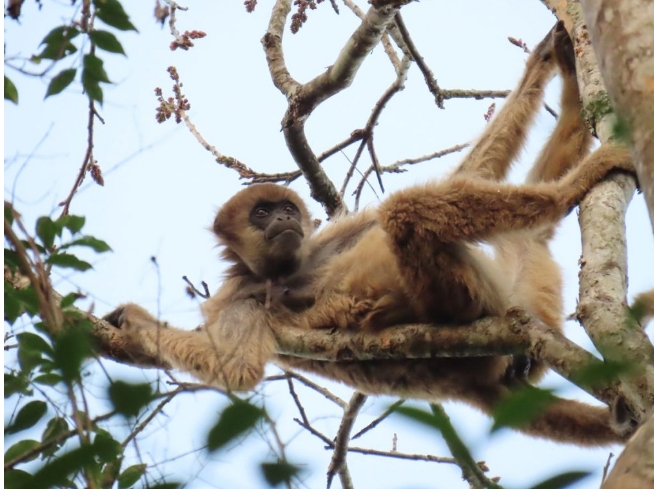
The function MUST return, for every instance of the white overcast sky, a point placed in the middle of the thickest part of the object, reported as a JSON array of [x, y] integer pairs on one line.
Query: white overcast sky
[[162, 189]]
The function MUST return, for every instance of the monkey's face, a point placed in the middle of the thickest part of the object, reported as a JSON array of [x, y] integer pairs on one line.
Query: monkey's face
[[264, 227], [281, 226]]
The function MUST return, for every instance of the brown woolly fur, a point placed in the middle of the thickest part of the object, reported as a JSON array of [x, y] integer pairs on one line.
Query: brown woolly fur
[[413, 259]]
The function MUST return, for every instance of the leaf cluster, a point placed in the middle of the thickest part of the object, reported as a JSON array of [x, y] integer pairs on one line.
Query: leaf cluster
[[64, 41]]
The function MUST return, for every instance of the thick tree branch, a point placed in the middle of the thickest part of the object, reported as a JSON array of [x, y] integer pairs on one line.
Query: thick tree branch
[[633, 469], [602, 279], [623, 36], [303, 99]]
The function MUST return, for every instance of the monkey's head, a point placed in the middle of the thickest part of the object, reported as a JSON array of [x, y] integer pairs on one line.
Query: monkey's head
[[264, 227]]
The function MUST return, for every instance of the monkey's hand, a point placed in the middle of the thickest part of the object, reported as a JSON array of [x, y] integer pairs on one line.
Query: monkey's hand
[[337, 312], [140, 329], [623, 421], [563, 50], [229, 352]]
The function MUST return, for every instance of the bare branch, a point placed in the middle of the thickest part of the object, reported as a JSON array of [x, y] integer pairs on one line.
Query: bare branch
[[633, 468], [367, 131], [627, 72], [339, 462], [88, 162], [431, 82], [303, 99], [602, 279]]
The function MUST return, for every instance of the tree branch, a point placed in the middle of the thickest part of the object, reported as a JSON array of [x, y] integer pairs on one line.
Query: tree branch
[[623, 36], [602, 279]]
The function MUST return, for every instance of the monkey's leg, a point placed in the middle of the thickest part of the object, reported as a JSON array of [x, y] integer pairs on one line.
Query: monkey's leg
[[430, 226], [504, 137], [472, 209], [230, 353], [537, 283], [570, 141]]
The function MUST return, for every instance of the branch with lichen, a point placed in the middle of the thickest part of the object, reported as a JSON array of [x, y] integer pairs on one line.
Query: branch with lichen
[[603, 274]]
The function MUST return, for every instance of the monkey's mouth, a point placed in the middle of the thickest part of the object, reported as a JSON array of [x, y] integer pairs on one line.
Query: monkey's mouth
[[284, 231]]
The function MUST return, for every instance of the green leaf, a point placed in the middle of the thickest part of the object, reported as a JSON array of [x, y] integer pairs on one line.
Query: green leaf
[[55, 428], [11, 259], [21, 448], [95, 244], [106, 447], [68, 300], [73, 223], [13, 306], [92, 75], [129, 399], [111, 12], [521, 407], [28, 416], [131, 475], [276, 473], [602, 373], [60, 34], [17, 479], [562, 480], [34, 342], [94, 68], [46, 231], [28, 300], [71, 347], [55, 51], [11, 92], [50, 379], [107, 41], [66, 260], [16, 384], [60, 82], [28, 358], [56, 472], [92, 88], [9, 212], [235, 420]]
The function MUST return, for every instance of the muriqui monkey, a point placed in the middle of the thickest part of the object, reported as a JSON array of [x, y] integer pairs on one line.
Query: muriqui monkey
[[412, 259]]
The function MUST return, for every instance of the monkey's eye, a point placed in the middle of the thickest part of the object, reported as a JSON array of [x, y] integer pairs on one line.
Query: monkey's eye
[[289, 209], [261, 212]]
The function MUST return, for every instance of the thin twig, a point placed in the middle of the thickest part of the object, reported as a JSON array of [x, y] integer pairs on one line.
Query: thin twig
[[470, 469], [396, 168], [205, 294], [169, 397], [338, 462], [431, 82], [86, 162], [321, 390], [379, 419], [395, 87]]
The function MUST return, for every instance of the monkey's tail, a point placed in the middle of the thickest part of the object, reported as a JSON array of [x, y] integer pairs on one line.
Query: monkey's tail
[[567, 421]]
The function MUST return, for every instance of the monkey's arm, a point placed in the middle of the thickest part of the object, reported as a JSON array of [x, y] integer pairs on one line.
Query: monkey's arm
[[230, 352]]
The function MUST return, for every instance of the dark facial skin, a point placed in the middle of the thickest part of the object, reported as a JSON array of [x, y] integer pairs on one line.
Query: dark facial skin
[[276, 218], [282, 230]]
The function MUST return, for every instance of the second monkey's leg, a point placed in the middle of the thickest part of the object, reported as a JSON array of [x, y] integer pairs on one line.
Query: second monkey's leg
[[505, 135], [537, 284]]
